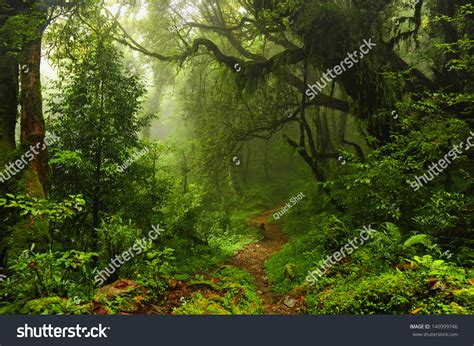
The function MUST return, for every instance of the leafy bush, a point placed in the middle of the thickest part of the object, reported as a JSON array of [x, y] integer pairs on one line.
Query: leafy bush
[[50, 274], [42, 220], [154, 270], [385, 245], [213, 225], [335, 234], [114, 237], [444, 212]]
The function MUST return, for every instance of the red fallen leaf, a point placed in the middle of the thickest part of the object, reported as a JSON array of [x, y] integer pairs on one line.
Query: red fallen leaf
[[99, 309], [214, 279], [432, 281]]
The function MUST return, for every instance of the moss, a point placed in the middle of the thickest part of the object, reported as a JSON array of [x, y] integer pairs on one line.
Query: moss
[[122, 296], [229, 291], [29, 184], [290, 270], [384, 294], [282, 272], [393, 292], [54, 305], [201, 305], [465, 297], [458, 310]]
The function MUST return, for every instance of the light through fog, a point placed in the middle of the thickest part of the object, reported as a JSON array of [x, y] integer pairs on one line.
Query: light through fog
[[188, 11]]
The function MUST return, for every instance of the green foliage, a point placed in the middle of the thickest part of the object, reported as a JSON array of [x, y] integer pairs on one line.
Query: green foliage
[[233, 143], [193, 255], [96, 108], [443, 213], [335, 234], [45, 219], [154, 271], [123, 296], [35, 275], [385, 246], [20, 27], [113, 238], [429, 287], [290, 270], [422, 239], [463, 23], [287, 268], [54, 212], [233, 292]]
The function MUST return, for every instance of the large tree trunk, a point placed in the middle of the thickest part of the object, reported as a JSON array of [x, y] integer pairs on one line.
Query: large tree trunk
[[8, 94], [185, 170], [8, 105], [8, 115], [23, 65], [32, 122]]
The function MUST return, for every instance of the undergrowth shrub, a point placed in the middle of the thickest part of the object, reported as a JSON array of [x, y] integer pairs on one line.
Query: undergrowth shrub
[[35, 275]]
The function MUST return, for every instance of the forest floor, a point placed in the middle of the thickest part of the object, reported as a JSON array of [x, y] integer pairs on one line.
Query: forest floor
[[252, 259]]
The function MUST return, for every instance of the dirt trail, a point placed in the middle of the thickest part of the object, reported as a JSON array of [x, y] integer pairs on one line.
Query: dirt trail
[[252, 259]]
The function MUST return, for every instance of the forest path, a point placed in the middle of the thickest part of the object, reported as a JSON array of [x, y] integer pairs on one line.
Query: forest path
[[252, 259]]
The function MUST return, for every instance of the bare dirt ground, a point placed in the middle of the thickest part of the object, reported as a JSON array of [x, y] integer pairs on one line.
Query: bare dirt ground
[[252, 259]]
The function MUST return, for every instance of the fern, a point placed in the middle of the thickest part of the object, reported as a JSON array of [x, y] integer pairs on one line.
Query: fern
[[423, 239]]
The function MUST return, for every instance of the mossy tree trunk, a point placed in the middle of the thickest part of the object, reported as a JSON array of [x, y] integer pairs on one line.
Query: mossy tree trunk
[[20, 86], [32, 122], [8, 116]]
